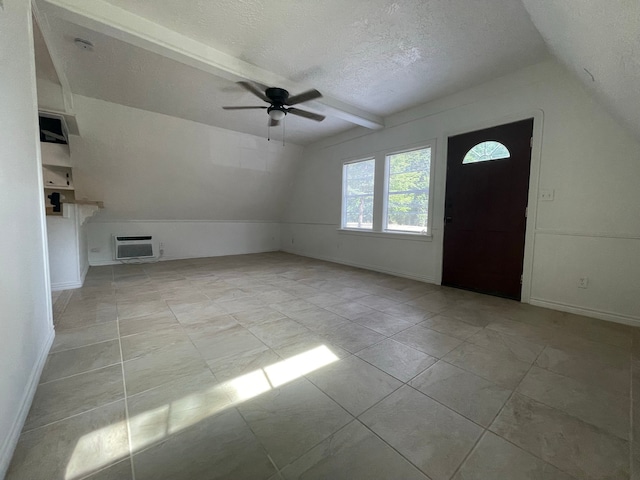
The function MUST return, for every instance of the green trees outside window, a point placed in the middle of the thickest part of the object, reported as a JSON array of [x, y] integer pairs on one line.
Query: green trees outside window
[[358, 194], [406, 193], [408, 190]]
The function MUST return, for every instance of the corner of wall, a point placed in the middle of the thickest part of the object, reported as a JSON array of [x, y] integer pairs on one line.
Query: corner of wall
[[7, 449]]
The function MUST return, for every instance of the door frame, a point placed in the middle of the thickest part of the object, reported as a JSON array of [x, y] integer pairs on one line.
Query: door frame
[[534, 180]]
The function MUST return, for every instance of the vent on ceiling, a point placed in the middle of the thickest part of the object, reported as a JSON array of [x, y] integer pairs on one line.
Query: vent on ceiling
[[133, 246]]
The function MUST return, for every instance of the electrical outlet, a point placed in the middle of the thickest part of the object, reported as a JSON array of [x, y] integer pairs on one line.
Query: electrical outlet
[[547, 195], [161, 244], [95, 250], [583, 282]]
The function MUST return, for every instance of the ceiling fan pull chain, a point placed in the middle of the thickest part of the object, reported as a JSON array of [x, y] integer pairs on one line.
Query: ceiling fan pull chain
[[283, 122]]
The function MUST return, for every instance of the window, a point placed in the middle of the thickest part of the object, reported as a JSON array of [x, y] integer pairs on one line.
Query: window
[[486, 151], [407, 192], [357, 194]]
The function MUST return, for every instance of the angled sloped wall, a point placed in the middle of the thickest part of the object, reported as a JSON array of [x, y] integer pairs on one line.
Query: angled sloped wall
[[200, 190]]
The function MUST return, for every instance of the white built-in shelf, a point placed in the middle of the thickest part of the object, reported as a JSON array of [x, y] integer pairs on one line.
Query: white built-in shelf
[[57, 178], [55, 154]]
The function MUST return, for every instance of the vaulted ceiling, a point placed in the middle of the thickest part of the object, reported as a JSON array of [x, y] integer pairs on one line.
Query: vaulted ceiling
[[600, 42], [369, 58]]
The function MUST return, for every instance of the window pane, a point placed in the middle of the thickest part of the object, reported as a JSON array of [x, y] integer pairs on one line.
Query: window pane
[[357, 201], [408, 191], [486, 151]]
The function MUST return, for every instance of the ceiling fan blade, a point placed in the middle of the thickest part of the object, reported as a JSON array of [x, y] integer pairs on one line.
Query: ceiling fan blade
[[244, 108], [255, 90], [303, 97], [273, 123], [305, 114]]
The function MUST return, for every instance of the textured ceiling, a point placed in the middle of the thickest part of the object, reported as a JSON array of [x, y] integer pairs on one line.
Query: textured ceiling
[[379, 55], [121, 73], [600, 42]]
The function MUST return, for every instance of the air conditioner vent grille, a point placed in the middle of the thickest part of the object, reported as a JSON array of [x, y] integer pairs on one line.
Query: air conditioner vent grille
[[130, 247], [135, 251]]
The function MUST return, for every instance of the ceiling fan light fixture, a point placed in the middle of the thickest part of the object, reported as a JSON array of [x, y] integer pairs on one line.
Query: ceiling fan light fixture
[[276, 114]]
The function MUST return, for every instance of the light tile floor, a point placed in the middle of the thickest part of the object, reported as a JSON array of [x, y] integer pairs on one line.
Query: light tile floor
[[274, 366]]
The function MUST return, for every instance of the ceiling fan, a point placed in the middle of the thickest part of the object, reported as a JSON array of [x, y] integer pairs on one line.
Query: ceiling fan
[[278, 100]]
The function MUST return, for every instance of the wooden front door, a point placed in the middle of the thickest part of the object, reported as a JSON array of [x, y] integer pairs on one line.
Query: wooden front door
[[485, 209]]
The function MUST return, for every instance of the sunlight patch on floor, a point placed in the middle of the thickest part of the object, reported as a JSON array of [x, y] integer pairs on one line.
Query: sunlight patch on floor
[[98, 449], [299, 365], [105, 446]]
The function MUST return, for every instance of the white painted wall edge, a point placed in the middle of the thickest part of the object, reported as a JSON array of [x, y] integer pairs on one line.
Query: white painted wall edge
[[56, 287], [587, 312], [6, 452], [375, 268]]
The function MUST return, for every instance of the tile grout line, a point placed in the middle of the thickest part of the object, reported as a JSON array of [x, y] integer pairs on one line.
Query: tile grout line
[[486, 429], [126, 401], [81, 373], [407, 384], [392, 447], [71, 416], [403, 383], [82, 346], [505, 404]]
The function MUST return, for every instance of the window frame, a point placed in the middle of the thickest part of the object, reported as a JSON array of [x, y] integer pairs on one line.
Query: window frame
[[385, 193], [380, 193], [343, 208], [464, 162]]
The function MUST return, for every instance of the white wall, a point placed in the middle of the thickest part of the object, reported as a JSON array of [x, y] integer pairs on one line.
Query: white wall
[[68, 252], [27, 326], [50, 95], [203, 191], [592, 228], [186, 239]]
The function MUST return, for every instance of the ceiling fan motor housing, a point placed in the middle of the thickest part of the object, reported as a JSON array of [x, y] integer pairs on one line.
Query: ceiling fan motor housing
[[278, 96]]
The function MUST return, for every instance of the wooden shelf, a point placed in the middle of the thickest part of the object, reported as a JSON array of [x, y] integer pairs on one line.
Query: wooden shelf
[[97, 203]]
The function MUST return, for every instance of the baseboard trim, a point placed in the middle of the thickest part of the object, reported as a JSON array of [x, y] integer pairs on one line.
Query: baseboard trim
[[587, 312], [6, 452], [375, 268], [56, 287]]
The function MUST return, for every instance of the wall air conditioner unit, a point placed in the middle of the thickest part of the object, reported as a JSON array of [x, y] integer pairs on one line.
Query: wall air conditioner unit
[[127, 247]]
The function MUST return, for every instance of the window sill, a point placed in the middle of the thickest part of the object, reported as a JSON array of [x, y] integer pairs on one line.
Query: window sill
[[414, 237]]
